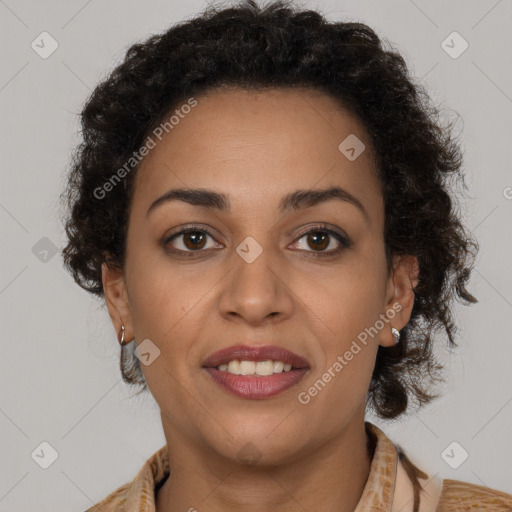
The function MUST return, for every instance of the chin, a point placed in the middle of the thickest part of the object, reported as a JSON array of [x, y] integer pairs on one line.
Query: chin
[[259, 441]]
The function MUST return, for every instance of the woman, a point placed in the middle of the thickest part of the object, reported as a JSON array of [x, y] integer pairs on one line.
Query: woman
[[261, 198]]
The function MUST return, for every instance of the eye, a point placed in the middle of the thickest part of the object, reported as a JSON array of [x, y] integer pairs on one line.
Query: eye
[[190, 240], [320, 238]]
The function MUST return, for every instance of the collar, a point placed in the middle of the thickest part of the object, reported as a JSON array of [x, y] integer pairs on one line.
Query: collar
[[387, 489]]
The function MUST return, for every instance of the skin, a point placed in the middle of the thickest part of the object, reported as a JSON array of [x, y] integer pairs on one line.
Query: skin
[[257, 147]]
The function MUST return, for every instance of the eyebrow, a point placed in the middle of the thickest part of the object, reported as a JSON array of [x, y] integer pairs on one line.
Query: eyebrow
[[291, 202]]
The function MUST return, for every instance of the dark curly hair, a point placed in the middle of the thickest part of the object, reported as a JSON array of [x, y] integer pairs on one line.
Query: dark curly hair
[[277, 46]]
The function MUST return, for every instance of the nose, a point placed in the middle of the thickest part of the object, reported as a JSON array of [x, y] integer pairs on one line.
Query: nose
[[256, 290]]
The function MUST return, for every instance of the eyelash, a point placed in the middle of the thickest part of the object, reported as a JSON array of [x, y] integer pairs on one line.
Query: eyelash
[[322, 228]]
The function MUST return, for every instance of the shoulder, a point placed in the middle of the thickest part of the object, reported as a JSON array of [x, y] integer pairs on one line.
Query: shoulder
[[113, 501], [457, 496], [140, 492]]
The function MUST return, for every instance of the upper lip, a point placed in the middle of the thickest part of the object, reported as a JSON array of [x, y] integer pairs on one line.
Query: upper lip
[[247, 353]]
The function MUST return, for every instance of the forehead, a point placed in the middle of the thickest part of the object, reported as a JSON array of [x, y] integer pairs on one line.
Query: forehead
[[259, 145]]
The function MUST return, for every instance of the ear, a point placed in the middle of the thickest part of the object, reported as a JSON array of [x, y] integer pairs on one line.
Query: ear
[[116, 298], [400, 291]]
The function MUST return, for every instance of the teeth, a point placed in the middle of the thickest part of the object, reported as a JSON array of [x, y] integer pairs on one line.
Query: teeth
[[265, 367], [234, 367], [262, 368], [278, 366], [247, 367]]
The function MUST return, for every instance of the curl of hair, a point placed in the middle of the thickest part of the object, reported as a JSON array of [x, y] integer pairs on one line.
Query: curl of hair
[[279, 45]]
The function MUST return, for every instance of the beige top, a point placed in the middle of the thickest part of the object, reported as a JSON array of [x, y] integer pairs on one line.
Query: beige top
[[388, 488]]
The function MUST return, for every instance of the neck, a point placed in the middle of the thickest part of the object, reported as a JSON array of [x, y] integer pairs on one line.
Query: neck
[[198, 481]]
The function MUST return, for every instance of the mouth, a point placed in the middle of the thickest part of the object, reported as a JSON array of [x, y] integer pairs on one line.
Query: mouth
[[255, 372]]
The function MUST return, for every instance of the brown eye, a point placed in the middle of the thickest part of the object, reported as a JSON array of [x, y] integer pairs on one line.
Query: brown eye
[[194, 240], [319, 240], [323, 241], [189, 240]]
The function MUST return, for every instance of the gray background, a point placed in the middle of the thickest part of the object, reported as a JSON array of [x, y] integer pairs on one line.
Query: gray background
[[59, 360]]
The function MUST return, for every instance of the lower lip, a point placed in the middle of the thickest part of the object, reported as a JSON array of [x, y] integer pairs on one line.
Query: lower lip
[[250, 386]]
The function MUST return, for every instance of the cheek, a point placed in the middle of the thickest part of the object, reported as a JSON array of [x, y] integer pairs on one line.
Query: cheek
[[353, 298], [162, 310], [340, 384], [338, 391], [349, 306], [163, 296], [165, 309]]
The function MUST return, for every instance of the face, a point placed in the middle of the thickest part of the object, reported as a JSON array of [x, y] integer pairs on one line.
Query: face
[[304, 275]]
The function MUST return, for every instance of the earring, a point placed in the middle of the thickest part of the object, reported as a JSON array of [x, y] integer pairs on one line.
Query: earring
[[120, 336], [396, 334]]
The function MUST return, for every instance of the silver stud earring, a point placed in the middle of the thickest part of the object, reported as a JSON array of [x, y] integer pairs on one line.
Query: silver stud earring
[[396, 334]]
